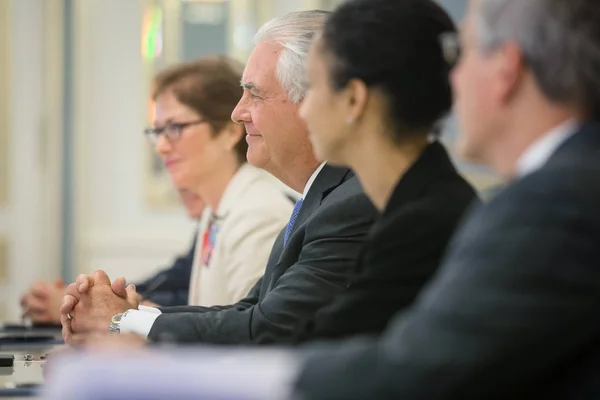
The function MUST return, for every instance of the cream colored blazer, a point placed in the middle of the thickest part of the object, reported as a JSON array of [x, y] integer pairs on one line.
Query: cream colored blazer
[[252, 212]]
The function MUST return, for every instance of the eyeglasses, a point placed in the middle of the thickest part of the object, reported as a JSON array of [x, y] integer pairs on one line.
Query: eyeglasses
[[172, 130], [451, 47]]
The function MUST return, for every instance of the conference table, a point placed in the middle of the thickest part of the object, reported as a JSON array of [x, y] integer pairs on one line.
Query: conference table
[[29, 346]]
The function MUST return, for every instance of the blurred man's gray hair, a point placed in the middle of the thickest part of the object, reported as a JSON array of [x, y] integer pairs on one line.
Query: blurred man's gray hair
[[560, 42], [293, 31]]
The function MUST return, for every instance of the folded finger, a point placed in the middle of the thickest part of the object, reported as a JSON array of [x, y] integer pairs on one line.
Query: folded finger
[[118, 286], [132, 296], [68, 304], [83, 283], [73, 291], [67, 332], [100, 277]]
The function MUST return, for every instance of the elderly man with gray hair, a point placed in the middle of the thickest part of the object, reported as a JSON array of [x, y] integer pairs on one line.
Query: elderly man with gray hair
[[312, 257]]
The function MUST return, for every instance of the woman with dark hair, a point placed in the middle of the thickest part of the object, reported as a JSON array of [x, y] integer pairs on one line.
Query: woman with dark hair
[[377, 92]]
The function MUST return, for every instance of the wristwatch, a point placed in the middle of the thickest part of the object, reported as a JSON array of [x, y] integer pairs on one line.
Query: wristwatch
[[115, 323]]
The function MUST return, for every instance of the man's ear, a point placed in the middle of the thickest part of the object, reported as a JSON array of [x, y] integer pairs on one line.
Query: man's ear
[[510, 68]]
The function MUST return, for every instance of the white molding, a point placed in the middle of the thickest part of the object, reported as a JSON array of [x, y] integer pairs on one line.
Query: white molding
[[134, 255], [133, 244], [81, 16], [312, 4], [266, 11], [5, 124], [51, 134], [26, 256], [5, 102]]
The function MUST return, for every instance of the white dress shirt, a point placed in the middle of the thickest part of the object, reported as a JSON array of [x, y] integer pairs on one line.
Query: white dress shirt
[[542, 149], [311, 180], [140, 321]]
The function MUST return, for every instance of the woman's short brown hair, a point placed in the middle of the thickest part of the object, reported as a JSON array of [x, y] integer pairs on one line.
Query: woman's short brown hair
[[210, 86]]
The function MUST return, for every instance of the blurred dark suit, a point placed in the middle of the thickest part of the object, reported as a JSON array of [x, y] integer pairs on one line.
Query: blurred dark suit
[[514, 311], [170, 287], [404, 249]]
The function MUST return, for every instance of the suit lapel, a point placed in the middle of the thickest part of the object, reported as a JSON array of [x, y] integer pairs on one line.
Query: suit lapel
[[328, 179]]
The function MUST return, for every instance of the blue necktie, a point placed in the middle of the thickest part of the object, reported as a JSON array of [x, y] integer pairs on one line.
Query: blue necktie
[[290, 224]]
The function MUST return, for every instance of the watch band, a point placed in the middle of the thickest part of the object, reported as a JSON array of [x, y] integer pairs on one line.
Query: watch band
[[114, 327]]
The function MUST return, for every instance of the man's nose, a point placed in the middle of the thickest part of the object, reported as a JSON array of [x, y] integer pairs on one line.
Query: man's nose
[[240, 113]]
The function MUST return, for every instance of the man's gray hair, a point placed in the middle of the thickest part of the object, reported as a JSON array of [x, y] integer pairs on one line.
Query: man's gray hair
[[293, 31], [560, 42]]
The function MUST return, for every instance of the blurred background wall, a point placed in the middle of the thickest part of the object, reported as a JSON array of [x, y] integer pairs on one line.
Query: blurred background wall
[[30, 144], [80, 188]]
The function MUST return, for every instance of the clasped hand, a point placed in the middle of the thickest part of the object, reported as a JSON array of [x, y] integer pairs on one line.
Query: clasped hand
[[90, 303]]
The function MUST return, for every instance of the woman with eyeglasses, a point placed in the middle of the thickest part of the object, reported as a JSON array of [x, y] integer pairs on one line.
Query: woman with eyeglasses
[[204, 153], [376, 94]]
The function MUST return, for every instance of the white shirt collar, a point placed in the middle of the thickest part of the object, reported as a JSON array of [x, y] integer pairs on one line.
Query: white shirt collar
[[538, 153], [311, 180]]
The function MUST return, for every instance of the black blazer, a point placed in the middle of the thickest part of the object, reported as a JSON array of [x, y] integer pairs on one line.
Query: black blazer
[[170, 287], [514, 311], [299, 278], [404, 249]]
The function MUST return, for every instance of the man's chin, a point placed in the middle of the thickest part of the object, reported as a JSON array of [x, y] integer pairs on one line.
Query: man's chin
[[256, 158]]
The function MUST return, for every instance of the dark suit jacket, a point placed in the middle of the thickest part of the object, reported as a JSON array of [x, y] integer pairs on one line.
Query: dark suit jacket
[[514, 311], [404, 249], [170, 287], [299, 278]]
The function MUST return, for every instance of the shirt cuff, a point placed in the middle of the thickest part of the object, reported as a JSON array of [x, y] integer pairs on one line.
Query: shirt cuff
[[138, 321], [153, 310]]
